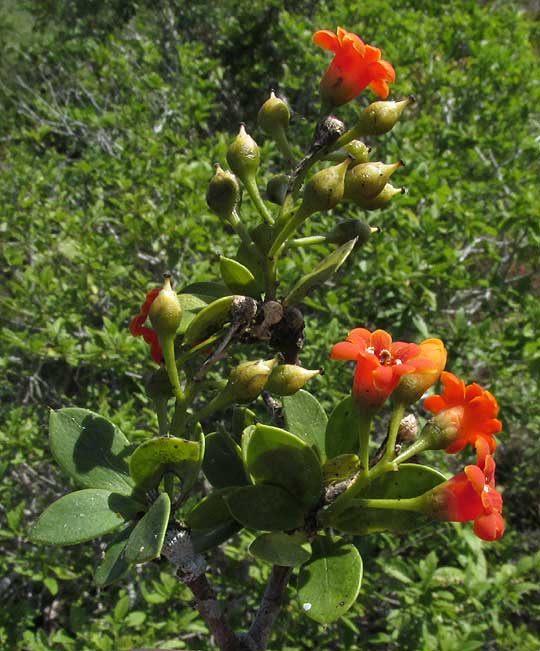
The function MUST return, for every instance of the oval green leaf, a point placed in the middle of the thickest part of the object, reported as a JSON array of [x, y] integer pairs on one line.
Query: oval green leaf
[[114, 566], [342, 429], [275, 456], [222, 462], [191, 304], [153, 458], [328, 585], [211, 512], [90, 449], [205, 539], [279, 548], [265, 507], [305, 417], [340, 467], [82, 516], [209, 320], [238, 278], [410, 480], [322, 272], [146, 539]]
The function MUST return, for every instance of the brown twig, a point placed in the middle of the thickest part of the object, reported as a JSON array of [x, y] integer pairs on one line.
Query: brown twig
[[270, 606]]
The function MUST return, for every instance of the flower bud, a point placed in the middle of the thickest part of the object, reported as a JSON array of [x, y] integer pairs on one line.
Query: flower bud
[[356, 149], [380, 117], [412, 386], [382, 199], [367, 180], [325, 189], [288, 379], [248, 380], [274, 115], [223, 193], [243, 154], [276, 189], [346, 231], [166, 312]]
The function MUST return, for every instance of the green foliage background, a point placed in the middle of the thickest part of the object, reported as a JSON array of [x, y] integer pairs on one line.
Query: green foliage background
[[113, 114]]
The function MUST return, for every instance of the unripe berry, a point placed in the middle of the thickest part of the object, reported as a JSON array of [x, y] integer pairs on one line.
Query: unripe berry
[[380, 117], [367, 180], [166, 312], [248, 380], [325, 189], [288, 379], [273, 115], [382, 199], [276, 188], [243, 154], [223, 193], [346, 231]]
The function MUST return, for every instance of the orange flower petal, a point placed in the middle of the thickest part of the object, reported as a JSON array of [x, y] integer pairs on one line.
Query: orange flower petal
[[327, 40], [380, 88], [344, 350], [359, 336], [489, 526], [381, 340]]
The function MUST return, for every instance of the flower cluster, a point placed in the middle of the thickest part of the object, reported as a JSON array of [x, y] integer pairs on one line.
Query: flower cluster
[[138, 329], [464, 414]]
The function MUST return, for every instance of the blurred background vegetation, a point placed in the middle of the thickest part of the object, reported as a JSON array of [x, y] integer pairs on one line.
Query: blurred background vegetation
[[112, 115]]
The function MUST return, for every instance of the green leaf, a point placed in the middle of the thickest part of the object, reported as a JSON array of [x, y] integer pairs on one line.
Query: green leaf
[[211, 512], [83, 515], [340, 467], [322, 272], [305, 417], [114, 566], [191, 304], [209, 320], [146, 539], [90, 449], [342, 429], [279, 548], [410, 480], [205, 539], [153, 458], [251, 258], [275, 456], [212, 289], [238, 278], [329, 583], [242, 417], [222, 462], [265, 507]]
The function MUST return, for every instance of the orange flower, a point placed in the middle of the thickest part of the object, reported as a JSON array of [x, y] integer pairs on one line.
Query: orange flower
[[380, 364], [471, 495], [354, 67], [413, 385], [464, 414], [138, 329]]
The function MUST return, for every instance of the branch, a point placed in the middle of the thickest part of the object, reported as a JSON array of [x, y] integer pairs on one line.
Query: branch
[[270, 605], [191, 571]]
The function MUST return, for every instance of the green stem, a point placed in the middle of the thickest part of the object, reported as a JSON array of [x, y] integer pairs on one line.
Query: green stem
[[168, 485], [397, 415], [179, 422], [416, 448], [160, 406], [221, 401], [364, 430], [240, 228], [282, 142], [167, 346], [193, 351], [253, 191], [288, 229], [307, 241]]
